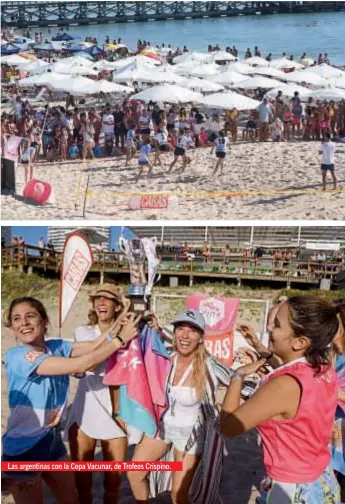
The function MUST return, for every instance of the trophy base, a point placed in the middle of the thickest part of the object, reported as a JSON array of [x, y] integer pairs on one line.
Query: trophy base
[[138, 305]]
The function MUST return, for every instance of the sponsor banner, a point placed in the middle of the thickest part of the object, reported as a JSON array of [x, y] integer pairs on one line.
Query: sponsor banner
[[152, 201], [221, 346], [68, 466], [219, 313], [322, 246], [76, 262]]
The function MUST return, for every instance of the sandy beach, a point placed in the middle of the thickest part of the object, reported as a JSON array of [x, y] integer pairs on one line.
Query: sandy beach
[[261, 180], [243, 469]]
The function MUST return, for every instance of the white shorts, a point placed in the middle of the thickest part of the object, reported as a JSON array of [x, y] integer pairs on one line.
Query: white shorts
[[178, 438]]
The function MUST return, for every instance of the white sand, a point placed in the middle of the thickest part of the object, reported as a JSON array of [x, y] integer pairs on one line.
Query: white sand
[[274, 172]]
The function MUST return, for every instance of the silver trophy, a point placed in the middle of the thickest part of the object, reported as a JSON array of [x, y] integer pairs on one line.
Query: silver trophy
[[137, 251]]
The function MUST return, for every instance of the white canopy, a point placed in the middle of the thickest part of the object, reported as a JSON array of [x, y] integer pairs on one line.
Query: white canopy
[[193, 56], [13, 60], [271, 72], [204, 70], [139, 58], [288, 91], [137, 72], [307, 77], [327, 71], [74, 69], [228, 101], [242, 68], [200, 84], [104, 86], [223, 56], [338, 83], [256, 60], [328, 94], [286, 63], [43, 79], [228, 77], [103, 65], [31, 66], [77, 86], [167, 93], [165, 74], [257, 82]]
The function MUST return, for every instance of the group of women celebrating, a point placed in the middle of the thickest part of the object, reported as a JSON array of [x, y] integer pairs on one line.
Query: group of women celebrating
[[298, 407]]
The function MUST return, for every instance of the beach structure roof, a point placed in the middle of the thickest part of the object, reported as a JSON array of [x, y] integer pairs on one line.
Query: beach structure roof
[[258, 61], [257, 82], [229, 100], [43, 79], [288, 91], [168, 93], [307, 77], [286, 63], [334, 94], [270, 72], [228, 77], [240, 67], [200, 84], [105, 86], [327, 71], [76, 86]]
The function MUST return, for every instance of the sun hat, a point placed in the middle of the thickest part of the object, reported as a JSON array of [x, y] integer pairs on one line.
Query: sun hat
[[192, 317], [109, 291]]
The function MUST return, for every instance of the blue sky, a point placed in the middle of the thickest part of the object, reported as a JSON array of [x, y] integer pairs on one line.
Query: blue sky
[[32, 234]]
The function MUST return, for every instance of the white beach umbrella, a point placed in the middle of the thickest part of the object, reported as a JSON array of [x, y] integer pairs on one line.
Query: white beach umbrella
[[77, 60], [270, 72], [286, 63], [200, 84], [240, 67], [327, 71], [258, 61], [103, 65], [139, 58], [13, 60], [307, 77], [204, 70], [338, 83], [288, 91], [43, 79], [167, 93], [31, 66], [104, 86], [74, 69], [228, 101], [227, 78], [165, 74], [136, 72], [328, 94], [257, 82], [193, 56], [223, 56], [77, 86]]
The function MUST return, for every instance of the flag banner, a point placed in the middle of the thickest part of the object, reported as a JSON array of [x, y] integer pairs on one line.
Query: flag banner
[[220, 316], [77, 260], [11, 148], [142, 393]]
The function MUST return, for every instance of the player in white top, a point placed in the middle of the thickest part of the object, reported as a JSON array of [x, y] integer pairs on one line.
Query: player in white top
[[221, 145], [184, 141], [91, 416], [162, 145], [327, 162]]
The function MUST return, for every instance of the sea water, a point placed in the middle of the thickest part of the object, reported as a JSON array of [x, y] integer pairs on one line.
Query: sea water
[[291, 33]]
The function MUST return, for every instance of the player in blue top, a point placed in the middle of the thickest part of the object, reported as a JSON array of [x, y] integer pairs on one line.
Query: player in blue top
[[37, 374]]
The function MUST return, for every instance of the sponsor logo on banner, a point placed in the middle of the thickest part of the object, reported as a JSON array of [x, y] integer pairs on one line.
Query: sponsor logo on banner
[[220, 317], [76, 262], [154, 202]]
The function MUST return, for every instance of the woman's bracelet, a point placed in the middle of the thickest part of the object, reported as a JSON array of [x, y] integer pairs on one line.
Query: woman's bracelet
[[237, 374]]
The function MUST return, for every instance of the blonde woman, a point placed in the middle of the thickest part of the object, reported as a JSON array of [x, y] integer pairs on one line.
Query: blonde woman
[[91, 417], [192, 383]]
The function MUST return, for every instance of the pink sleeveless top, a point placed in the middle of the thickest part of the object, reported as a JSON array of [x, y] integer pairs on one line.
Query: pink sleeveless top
[[296, 450]]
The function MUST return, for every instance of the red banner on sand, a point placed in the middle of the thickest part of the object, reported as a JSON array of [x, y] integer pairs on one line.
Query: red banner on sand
[[38, 191]]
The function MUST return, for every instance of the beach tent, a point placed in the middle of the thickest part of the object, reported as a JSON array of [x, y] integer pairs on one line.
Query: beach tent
[[257, 82], [286, 63], [43, 79], [200, 84], [204, 70], [307, 77], [229, 100], [105, 86], [228, 77], [270, 72], [258, 61], [239, 67], [328, 94], [10, 48], [327, 71], [76, 86], [223, 56], [288, 91], [167, 93]]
